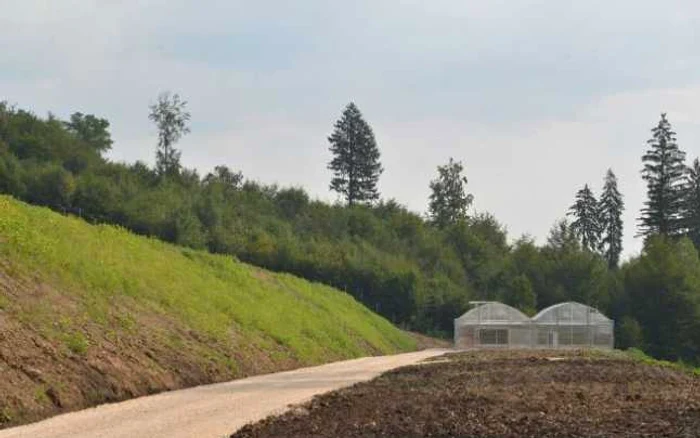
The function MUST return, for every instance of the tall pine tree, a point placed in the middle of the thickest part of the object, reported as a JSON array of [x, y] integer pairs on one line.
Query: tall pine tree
[[355, 164], [663, 171], [585, 225], [691, 203], [610, 216]]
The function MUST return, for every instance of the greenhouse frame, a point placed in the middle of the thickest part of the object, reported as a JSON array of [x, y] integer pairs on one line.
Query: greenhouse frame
[[491, 324]]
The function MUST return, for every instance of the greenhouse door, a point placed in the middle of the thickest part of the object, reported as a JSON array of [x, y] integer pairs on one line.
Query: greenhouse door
[[553, 339]]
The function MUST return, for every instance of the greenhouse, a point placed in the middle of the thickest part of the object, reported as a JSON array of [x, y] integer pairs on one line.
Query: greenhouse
[[567, 325], [493, 324], [572, 325]]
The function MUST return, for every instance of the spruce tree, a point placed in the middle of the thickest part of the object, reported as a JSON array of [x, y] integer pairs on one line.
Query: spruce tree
[[448, 198], [586, 226], [355, 164], [663, 171], [610, 217], [691, 203]]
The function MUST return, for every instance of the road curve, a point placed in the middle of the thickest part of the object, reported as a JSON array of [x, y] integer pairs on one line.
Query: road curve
[[213, 410]]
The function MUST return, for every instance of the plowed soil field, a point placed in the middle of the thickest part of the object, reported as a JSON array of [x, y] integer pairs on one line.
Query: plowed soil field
[[504, 394]]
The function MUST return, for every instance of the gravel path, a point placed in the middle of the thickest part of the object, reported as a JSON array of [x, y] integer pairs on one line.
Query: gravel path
[[213, 410]]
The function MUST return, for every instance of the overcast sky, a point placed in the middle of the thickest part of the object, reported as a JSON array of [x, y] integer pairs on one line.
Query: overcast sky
[[536, 98]]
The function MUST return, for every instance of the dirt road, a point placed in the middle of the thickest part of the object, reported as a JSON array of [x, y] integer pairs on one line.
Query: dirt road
[[212, 410]]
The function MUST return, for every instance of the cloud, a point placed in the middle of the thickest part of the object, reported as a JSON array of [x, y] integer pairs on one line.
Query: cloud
[[537, 97]]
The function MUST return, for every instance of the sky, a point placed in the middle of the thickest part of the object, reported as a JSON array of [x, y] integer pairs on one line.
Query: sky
[[536, 98]]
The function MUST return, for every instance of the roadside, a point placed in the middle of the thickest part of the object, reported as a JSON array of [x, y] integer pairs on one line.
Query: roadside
[[214, 410]]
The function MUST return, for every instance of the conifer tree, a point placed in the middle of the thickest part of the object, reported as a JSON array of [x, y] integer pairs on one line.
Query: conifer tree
[[355, 164], [663, 171], [691, 203], [610, 217], [448, 198], [586, 226]]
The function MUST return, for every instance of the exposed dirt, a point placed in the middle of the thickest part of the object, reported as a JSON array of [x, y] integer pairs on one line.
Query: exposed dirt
[[504, 394], [41, 376], [210, 411], [424, 342]]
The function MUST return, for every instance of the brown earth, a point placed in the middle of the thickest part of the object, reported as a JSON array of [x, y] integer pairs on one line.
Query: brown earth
[[424, 342], [41, 376], [504, 394]]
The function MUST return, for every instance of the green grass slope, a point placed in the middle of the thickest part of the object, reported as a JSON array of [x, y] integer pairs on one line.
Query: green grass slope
[[90, 314]]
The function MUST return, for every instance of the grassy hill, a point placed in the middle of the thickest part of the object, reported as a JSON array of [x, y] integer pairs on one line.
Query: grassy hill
[[90, 314]]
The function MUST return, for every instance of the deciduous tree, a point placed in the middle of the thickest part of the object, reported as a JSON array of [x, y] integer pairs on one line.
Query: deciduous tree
[[449, 201], [171, 118]]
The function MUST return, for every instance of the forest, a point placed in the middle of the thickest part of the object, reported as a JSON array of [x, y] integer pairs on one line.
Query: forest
[[418, 270]]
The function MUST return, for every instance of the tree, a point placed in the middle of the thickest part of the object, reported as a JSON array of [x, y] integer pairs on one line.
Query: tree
[[91, 130], [586, 225], [610, 214], [355, 164], [663, 171], [562, 237], [520, 294], [570, 272], [691, 203], [224, 176], [449, 201], [664, 297], [171, 118], [629, 334]]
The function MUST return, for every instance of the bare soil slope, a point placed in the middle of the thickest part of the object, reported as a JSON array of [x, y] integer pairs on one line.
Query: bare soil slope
[[504, 394]]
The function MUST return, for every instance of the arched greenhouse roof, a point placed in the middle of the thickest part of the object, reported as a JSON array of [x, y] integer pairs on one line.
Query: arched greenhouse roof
[[492, 313], [571, 313]]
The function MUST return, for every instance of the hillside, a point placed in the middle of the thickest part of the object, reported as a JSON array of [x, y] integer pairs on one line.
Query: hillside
[[90, 314]]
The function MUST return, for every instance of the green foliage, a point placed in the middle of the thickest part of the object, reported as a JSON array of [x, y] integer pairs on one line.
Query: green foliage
[[691, 203], [214, 295], [570, 273], [586, 225], [449, 201], [629, 334], [641, 356], [170, 117], [521, 295], [663, 287], [51, 185], [663, 172], [12, 179], [610, 217], [91, 130], [418, 275], [4, 302], [355, 164], [188, 230], [392, 260], [76, 342]]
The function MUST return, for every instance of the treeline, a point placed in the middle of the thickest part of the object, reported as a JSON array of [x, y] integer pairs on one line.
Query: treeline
[[420, 272]]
